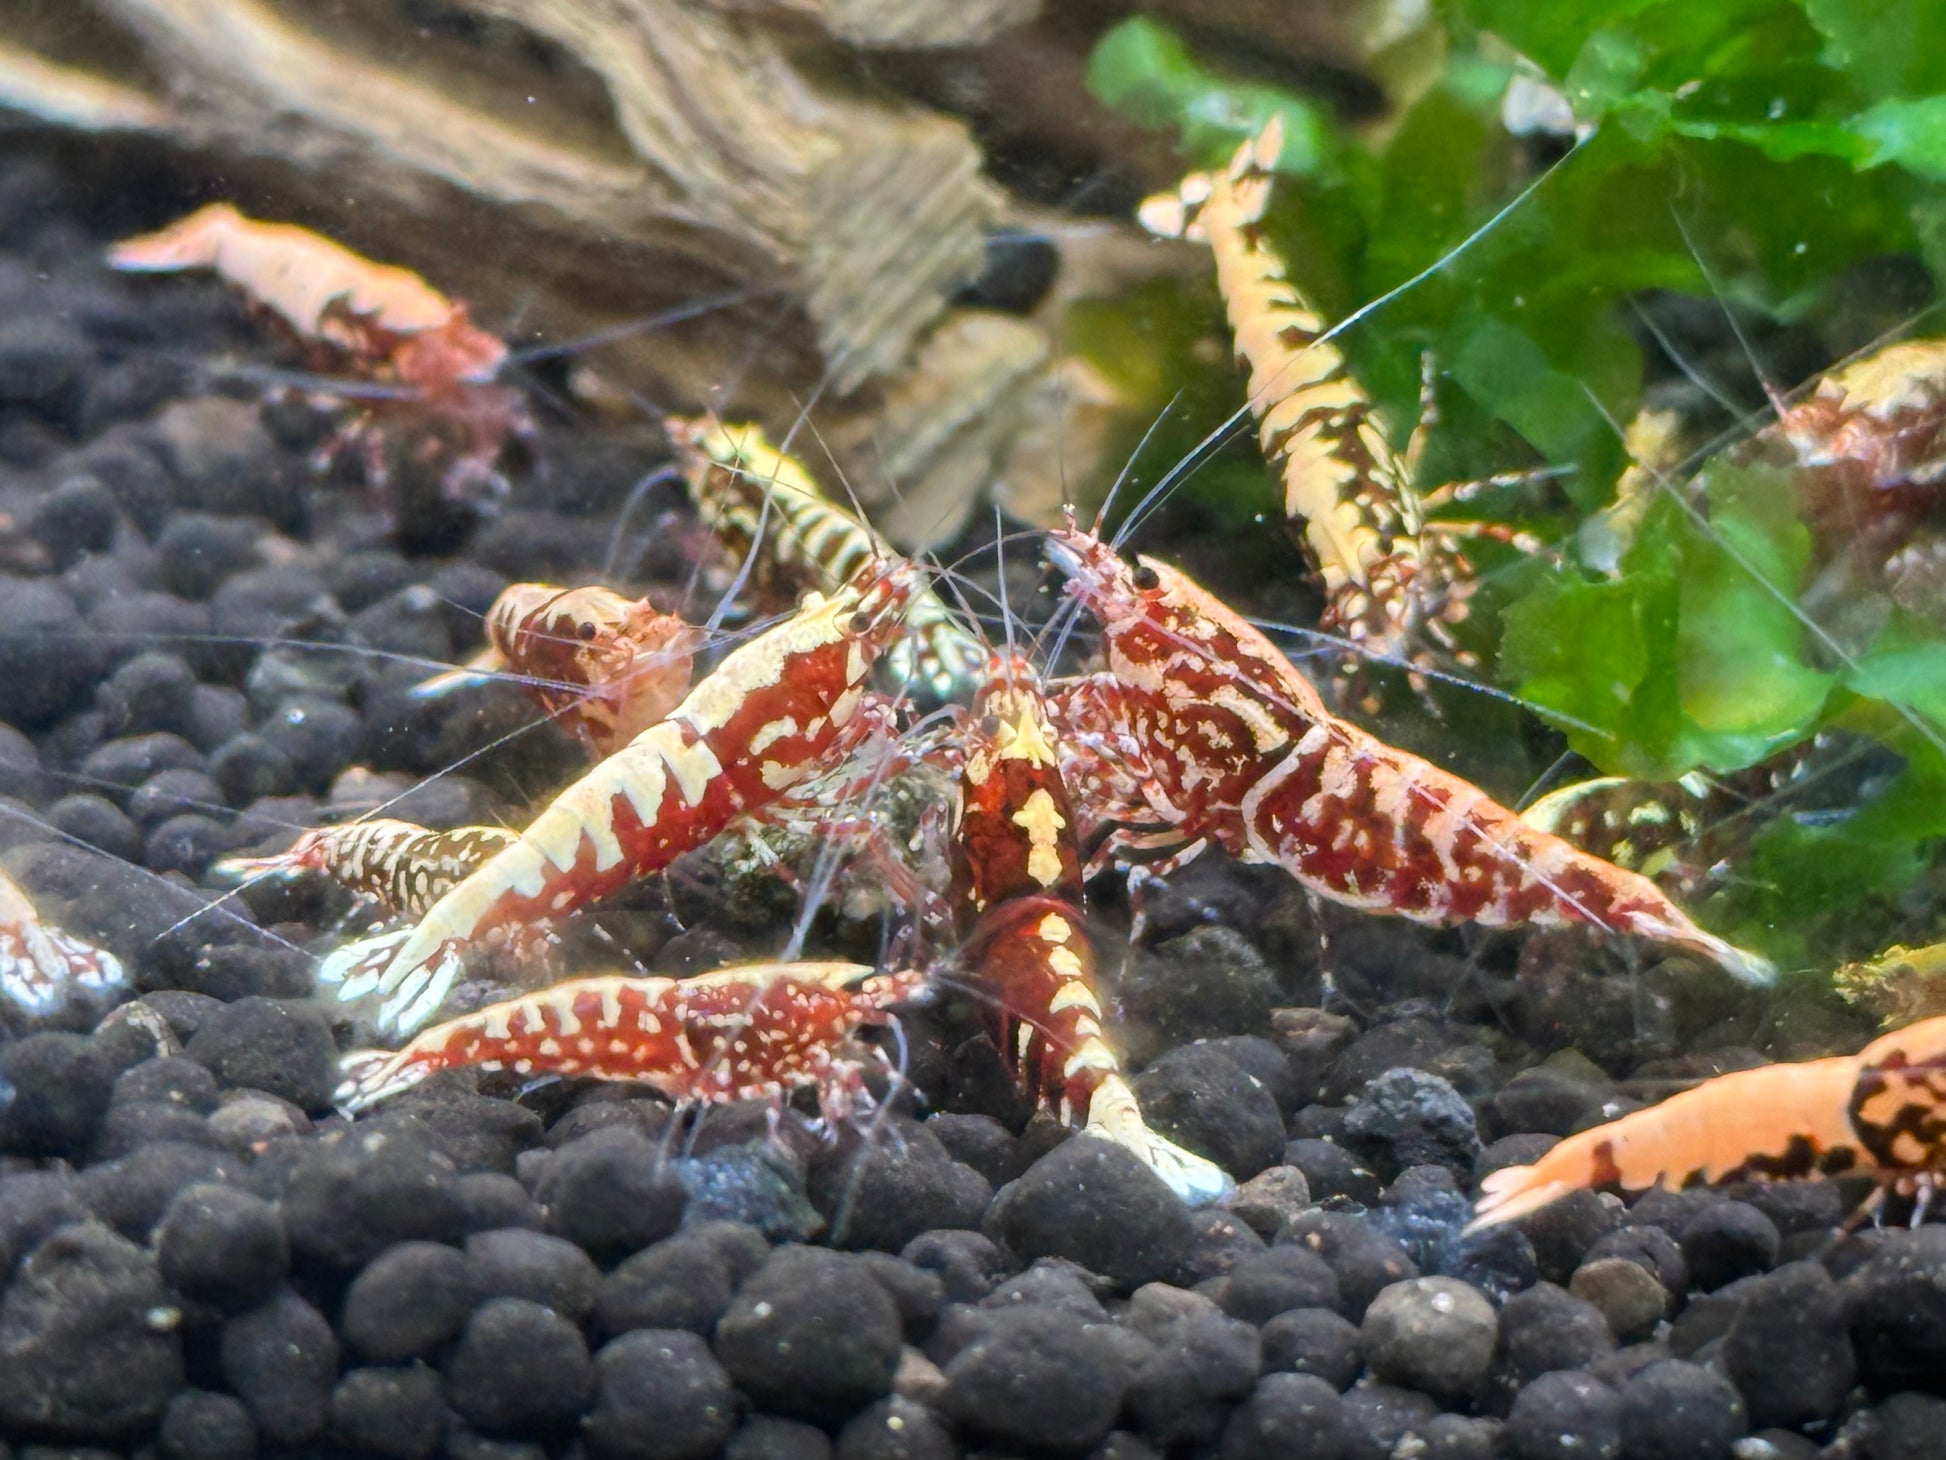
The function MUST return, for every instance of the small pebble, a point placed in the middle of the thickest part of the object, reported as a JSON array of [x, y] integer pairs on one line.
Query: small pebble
[[1381, 1419], [199, 1425], [967, 1263], [1547, 1328], [1202, 1364], [97, 822], [917, 1293], [520, 1369], [153, 691], [1200, 1098], [1208, 982], [884, 1192], [810, 1335], [132, 1193], [1095, 1204], [490, 1201], [1362, 1260], [1267, 1283], [896, 1429], [173, 793], [46, 662], [1565, 1416], [1037, 1378], [769, 1437], [186, 843], [1462, 1437], [1434, 1333], [409, 1301], [57, 1088], [1218, 1241], [1271, 1198], [1331, 1170], [281, 1360], [1675, 1410], [128, 761], [660, 1395], [1316, 1341], [1626, 1292], [1896, 1306], [1906, 1426], [279, 1046], [1787, 1349], [515, 1263], [1408, 1117], [349, 1200], [679, 1283], [1728, 1240], [395, 1413], [1287, 1417], [610, 1193], [1552, 1097], [1563, 1231], [90, 1339], [1651, 1247]]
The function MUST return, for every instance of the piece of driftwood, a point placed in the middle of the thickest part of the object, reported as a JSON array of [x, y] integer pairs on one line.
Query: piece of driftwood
[[897, 24], [928, 454], [607, 157]]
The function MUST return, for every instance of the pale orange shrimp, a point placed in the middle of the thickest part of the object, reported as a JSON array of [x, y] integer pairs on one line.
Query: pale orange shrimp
[[1880, 1112], [379, 322]]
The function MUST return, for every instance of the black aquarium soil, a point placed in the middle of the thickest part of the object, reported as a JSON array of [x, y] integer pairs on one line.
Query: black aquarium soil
[[200, 638]]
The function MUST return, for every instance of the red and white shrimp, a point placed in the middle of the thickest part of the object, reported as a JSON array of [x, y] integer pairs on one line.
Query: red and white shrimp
[[753, 1032], [781, 708], [41, 967], [603, 666], [1880, 1112], [1216, 738], [384, 324], [1025, 949], [402, 867]]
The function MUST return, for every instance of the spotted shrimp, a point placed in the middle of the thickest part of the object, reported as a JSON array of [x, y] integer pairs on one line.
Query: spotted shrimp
[[1201, 733], [749, 1032], [779, 709]]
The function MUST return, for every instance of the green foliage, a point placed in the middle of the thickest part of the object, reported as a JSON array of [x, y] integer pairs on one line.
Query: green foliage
[[1755, 154], [1144, 69]]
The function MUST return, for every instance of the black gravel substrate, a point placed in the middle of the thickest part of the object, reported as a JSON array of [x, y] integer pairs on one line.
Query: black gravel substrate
[[199, 642]]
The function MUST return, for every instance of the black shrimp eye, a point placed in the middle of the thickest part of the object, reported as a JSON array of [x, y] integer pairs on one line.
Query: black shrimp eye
[[861, 622], [587, 631], [1145, 578]]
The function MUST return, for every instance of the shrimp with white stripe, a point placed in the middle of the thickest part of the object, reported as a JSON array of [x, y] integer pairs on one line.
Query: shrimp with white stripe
[[783, 707]]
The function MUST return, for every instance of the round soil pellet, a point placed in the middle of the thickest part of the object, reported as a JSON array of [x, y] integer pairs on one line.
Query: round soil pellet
[[661, 1395]]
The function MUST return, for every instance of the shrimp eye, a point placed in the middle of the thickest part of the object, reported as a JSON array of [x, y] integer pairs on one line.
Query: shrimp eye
[[861, 622], [1145, 578], [587, 631]]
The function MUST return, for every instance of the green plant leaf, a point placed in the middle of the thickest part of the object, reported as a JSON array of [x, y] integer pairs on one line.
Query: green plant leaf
[[1890, 47], [1143, 68]]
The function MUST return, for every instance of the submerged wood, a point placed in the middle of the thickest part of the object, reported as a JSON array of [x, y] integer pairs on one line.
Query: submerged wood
[[599, 158]]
